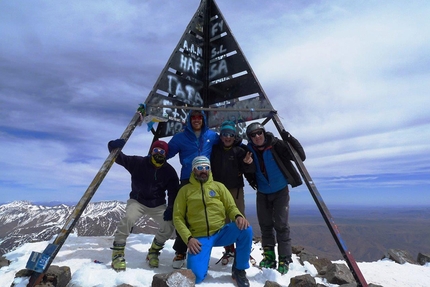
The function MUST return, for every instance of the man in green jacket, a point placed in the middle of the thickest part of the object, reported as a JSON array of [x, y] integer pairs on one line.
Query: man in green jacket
[[199, 217]]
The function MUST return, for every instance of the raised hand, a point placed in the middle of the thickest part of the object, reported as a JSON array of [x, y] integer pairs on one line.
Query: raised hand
[[248, 158]]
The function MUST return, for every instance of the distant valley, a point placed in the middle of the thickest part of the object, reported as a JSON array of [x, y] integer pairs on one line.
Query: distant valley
[[368, 231]]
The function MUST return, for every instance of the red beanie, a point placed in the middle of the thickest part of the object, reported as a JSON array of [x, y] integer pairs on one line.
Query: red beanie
[[160, 144]]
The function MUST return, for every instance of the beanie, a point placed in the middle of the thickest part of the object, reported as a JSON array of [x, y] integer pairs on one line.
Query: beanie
[[201, 160], [160, 144], [228, 126]]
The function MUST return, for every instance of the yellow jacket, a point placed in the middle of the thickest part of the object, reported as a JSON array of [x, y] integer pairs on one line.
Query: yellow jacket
[[200, 209]]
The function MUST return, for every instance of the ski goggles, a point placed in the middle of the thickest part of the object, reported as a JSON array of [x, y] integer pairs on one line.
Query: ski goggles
[[203, 167], [158, 150], [227, 135], [258, 133]]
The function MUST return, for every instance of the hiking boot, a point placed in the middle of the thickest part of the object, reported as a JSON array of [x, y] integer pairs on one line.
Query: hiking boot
[[118, 260], [153, 254], [228, 254], [240, 277], [284, 263], [268, 258], [179, 260]]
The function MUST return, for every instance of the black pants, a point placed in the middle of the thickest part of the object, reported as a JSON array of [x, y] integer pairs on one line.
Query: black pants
[[272, 213]]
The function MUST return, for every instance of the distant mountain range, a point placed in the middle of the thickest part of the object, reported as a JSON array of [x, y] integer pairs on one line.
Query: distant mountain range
[[368, 232], [22, 222]]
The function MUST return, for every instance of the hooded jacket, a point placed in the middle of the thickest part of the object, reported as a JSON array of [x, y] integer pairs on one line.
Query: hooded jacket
[[189, 146], [200, 208], [149, 183]]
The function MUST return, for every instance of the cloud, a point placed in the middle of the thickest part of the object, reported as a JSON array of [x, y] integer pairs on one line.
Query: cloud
[[348, 79]]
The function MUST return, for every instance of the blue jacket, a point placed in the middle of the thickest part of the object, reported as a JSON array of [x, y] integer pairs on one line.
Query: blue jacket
[[188, 146], [274, 170]]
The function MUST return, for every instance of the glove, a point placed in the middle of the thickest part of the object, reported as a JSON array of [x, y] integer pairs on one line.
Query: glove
[[286, 136], [119, 143], [168, 214]]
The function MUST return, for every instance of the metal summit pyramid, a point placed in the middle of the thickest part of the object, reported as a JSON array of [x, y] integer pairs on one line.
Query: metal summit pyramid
[[208, 70]]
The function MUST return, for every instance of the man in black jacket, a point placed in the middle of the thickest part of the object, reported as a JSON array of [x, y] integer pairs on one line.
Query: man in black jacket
[[274, 171], [230, 160], [151, 176]]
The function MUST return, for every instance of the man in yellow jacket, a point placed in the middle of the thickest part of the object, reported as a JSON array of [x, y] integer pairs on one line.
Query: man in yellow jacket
[[199, 217]]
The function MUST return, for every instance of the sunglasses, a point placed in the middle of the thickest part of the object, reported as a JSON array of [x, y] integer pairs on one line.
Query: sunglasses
[[228, 135], [158, 150], [202, 167], [197, 117], [259, 133]]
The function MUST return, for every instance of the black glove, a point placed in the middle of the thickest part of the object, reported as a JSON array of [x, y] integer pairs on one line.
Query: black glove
[[119, 143], [286, 136], [168, 214]]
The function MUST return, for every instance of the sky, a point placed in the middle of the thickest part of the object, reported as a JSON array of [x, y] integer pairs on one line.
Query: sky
[[349, 79], [79, 253]]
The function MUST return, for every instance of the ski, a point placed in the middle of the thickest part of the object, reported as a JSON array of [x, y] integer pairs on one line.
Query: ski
[[328, 218], [40, 262]]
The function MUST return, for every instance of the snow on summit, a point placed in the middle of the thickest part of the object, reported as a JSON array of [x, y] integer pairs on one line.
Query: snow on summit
[[80, 254]]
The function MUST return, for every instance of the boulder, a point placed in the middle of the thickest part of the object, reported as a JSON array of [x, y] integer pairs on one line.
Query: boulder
[[422, 259], [55, 276], [303, 281], [177, 278], [399, 256], [339, 274], [4, 262]]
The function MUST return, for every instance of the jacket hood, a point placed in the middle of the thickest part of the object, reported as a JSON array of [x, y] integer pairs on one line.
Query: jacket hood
[[205, 122]]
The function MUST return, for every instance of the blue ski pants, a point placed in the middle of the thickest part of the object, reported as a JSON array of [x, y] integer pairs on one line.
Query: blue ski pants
[[228, 234]]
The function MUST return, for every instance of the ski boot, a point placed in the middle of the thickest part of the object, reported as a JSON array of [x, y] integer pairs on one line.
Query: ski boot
[[153, 254], [268, 258], [118, 260], [284, 263], [239, 276]]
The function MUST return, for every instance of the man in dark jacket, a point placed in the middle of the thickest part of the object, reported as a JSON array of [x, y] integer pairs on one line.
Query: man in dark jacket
[[274, 171], [151, 176], [230, 160]]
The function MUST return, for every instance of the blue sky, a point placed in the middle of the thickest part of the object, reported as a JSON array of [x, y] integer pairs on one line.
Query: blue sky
[[349, 79]]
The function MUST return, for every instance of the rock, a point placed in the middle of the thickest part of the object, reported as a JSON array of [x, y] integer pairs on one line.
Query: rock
[[339, 274], [422, 259], [399, 256], [271, 284], [55, 276], [306, 256], [177, 278], [303, 281], [297, 249], [4, 262]]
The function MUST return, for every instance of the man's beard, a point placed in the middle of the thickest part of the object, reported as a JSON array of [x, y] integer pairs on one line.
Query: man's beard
[[202, 177]]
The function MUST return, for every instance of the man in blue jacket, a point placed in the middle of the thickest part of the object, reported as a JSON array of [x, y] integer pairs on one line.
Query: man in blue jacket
[[195, 140], [274, 171]]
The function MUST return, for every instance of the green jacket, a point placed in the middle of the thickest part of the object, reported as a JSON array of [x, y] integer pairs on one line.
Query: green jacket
[[200, 209]]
